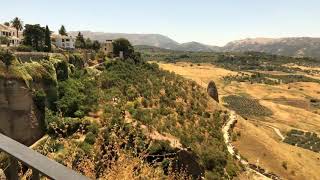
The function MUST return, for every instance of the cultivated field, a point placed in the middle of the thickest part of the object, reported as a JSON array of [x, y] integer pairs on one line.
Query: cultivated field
[[260, 137]]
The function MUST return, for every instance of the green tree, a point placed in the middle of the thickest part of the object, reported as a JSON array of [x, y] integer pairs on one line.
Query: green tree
[[18, 24], [34, 36], [96, 45], [80, 42], [63, 31], [6, 23], [4, 40], [47, 39], [88, 43], [123, 45], [7, 58]]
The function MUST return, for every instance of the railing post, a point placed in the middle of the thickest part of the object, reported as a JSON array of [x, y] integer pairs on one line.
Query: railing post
[[13, 169], [35, 175]]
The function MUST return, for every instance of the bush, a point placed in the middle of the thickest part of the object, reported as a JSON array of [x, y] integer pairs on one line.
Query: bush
[[285, 165], [39, 98], [23, 48], [86, 147], [7, 57], [160, 147], [4, 40], [90, 138], [77, 60], [213, 160], [62, 70], [93, 128]]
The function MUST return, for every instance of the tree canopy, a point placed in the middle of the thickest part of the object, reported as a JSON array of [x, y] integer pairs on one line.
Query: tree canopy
[[63, 31], [80, 42], [18, 24], [123, 45], [47, 39], [34, 36]]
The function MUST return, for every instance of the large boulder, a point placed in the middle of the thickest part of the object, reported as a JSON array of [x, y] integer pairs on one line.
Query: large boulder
[[213, 91]]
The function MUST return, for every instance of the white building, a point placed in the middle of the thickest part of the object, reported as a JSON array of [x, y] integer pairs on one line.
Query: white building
[[64, 42], [11, 34]]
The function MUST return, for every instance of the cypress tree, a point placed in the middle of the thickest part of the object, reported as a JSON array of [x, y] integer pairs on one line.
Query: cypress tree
[[63, 31], [47, 39]]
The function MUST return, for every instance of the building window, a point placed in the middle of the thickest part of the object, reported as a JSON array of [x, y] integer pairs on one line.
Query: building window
[[62, 40], [67, 40]]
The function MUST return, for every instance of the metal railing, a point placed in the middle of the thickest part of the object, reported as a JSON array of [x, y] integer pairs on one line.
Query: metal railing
[[37, 162]]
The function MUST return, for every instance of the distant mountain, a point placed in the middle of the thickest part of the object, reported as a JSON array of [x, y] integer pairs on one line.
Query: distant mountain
[[153, 40], [298, 47], [198, 47], [156, 40]]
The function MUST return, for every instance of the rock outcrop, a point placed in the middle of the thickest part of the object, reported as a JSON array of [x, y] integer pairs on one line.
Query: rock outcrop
[[2, 175], [20, 119], [213, 91]]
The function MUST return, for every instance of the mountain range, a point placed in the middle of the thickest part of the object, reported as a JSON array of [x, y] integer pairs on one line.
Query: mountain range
[[295, 46]]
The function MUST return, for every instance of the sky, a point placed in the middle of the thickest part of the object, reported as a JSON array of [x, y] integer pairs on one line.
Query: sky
[[214, 22]]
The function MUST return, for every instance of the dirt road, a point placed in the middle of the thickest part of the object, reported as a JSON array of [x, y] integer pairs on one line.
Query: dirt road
[[226, 135]]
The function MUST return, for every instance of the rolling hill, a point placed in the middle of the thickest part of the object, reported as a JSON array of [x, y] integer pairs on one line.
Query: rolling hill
[[155, 40], [298, 47], [295, 46]]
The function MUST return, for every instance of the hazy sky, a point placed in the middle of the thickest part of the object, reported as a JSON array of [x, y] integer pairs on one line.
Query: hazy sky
[[214, 22]]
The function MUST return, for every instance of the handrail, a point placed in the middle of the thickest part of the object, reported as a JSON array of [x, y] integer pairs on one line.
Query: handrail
[[36, 161]]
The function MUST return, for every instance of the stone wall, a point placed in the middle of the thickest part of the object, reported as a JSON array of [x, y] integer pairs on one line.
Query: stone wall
[[19, 117]]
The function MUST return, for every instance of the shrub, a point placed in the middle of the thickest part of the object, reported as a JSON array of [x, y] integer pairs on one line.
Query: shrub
[[7, 57], [93, 128], [86, 147], [23, 48], [285, 165], [4, 40], [90, 138], [39, 98], [77, 60], [160, 147]]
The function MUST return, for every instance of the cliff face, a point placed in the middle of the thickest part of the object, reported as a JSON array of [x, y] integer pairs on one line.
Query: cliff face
[[20, 119]]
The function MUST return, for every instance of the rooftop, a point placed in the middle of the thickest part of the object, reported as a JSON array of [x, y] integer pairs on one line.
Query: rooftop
[[60, 36], [6, 28]]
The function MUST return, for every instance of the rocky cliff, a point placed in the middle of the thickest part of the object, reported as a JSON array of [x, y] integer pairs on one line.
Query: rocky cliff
[[20, 119], [21, 106]]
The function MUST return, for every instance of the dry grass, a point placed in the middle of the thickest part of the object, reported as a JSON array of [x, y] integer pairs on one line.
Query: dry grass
[[258, 141]]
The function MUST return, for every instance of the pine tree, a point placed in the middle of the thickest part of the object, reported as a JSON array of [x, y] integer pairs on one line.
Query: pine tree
[[80, 42], [63, 31], [47, 39]]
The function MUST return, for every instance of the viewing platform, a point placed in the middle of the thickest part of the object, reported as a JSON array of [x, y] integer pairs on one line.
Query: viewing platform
[[40, 165]]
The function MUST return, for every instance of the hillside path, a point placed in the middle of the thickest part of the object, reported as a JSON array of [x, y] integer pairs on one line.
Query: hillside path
[[226, 135]]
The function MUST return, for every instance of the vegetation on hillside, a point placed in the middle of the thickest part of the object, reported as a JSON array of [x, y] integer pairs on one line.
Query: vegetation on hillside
[[142, 93], [96, 120], [246, 106], [306, 140]]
